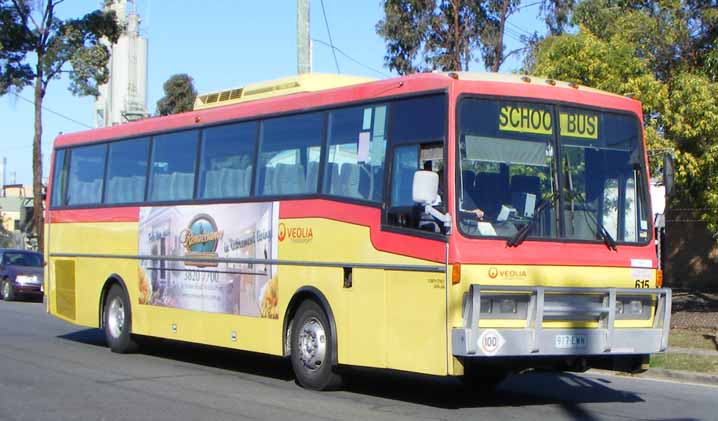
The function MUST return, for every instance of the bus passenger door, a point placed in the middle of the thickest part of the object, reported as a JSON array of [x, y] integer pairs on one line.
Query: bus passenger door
[[416, 299]]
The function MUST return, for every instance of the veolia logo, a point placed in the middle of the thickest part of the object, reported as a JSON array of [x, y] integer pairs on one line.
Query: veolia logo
[[508, 274], [201, 238], [298, 234], [282, 232]]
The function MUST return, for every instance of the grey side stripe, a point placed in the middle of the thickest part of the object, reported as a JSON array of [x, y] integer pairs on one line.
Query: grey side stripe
[[408, 268]]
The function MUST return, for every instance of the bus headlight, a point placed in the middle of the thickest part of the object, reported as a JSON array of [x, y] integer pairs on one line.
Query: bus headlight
[[504, 306], [485, 305], [635, 308], [508, 306]]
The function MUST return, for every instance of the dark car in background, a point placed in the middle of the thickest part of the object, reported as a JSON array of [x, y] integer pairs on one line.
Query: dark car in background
[[21, 274]]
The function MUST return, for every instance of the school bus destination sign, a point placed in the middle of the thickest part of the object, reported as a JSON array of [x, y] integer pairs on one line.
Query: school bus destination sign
[[540, 121]]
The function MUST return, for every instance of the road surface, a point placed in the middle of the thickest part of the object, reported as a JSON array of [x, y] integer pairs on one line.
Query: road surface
[[51, 370]]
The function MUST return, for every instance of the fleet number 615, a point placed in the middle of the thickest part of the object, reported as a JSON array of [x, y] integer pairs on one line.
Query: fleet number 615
[[642, 283]]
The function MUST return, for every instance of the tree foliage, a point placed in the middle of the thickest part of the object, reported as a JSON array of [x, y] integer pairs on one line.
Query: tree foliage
[[43, 47], [179, 95], [664, 53], [15, 43], [425, 35]]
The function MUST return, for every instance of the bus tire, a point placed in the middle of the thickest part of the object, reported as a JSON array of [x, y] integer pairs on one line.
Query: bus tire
[[8, 292], [117, 321], [312, 350]]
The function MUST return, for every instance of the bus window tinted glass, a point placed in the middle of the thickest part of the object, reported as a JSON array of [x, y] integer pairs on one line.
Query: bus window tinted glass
[[127, 171], [59, 176], [227, 157], [406, 163], [602, 164], [289, 155], [87, 170], [173, 162], [506, 177], [419, 119], [355, 157]]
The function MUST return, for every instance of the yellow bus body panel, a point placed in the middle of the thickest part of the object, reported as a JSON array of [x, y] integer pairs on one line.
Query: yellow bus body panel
[[387, 319]]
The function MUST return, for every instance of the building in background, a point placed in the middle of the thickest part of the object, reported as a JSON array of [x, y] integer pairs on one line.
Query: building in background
[[16, 222], [124, 97]]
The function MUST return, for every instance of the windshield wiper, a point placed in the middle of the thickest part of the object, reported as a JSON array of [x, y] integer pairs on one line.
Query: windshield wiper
[[600, 231], [523, 232]]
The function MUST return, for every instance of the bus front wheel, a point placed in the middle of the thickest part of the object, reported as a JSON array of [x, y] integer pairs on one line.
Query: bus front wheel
[[311, 350], [117, 321]]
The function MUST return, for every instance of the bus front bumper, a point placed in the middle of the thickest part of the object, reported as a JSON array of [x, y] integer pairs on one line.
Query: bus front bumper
[[537, 340]]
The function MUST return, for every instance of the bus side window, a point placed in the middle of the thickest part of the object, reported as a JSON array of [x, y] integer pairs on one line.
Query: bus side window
[[173, 166], [59, 177], [127, 171], [417, 133], [226, 162], [289, 155], [87, 172], [356, 150], [403, 211]]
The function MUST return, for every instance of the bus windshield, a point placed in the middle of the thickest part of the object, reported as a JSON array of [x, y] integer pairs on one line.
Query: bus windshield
[[582, 181]]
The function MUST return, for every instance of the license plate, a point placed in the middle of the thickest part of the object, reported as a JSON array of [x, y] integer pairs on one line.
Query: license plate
[[570, 341]]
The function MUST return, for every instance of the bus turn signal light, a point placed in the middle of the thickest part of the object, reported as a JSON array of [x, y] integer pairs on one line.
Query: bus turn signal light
[[455, 274], [659, 278]]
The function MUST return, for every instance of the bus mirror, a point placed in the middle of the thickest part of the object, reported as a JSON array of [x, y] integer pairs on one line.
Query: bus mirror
[[668, 173], [425, 187]]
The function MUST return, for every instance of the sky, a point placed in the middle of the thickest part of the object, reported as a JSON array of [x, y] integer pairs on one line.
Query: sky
[[222, 44]]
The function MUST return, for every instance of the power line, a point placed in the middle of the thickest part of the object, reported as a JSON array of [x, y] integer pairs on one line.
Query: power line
[[351, 58], [331, 43], [519, 28], [525, 6], [53, 112]]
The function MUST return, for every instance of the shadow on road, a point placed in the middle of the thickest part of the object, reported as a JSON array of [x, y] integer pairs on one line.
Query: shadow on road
[[222, 358], [566, 390]]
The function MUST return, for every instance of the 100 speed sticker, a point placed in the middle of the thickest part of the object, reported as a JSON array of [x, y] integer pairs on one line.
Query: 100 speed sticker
[[490, 342]]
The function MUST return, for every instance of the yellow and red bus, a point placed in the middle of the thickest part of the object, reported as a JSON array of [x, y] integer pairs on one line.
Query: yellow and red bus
[[447, 224]]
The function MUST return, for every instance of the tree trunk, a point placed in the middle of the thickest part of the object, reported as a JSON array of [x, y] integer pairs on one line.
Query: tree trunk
[[37, 189], [457, 36], [499, 50]]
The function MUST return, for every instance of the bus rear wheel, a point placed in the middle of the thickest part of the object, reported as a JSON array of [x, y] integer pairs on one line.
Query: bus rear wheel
[[117, 321], [311, 350]]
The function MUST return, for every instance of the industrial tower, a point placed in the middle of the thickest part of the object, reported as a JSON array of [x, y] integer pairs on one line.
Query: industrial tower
[[124, 97]]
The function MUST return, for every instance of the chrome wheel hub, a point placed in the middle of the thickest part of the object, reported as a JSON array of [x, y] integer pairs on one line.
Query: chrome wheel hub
[[6, 289], [116, 318], [312, 344]]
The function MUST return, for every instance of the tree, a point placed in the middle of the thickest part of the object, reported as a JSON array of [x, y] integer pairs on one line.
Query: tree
[[424, 35], [179, 95], [441, 36], [15, 43], [72, 46], [664, 53]]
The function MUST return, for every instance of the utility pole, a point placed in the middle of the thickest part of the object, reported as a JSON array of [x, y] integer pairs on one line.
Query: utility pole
[[304, 43]]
